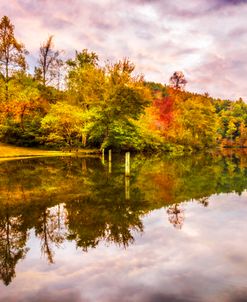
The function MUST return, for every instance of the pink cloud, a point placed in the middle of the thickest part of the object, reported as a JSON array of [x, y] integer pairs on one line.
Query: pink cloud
[[168, 35]]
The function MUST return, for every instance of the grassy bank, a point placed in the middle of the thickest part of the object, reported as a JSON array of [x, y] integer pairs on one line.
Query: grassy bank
[[8, 152]]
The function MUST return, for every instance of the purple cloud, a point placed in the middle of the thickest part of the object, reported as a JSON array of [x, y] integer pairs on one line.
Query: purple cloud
[[159, 36]]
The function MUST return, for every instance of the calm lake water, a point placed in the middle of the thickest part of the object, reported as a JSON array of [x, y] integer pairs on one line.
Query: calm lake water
[[76, 229]]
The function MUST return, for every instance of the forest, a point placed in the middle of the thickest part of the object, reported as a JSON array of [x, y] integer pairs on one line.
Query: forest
[[84, 103]]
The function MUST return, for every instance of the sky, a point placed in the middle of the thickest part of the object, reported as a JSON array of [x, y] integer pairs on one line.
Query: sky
[[205, 39]]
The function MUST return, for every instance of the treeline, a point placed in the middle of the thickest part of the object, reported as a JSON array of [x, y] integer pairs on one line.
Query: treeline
[[196, 121], [80, 103]]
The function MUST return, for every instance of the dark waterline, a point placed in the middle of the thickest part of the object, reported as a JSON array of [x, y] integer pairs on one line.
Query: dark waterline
[[79, 230]]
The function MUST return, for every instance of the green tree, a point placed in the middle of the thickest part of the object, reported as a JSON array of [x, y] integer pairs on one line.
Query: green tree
[[85, 80], [83, 58], [231, 129], [125, 99], [111, 96], [198, 120], [63, 125]]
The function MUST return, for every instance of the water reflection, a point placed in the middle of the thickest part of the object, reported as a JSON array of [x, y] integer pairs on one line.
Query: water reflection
[[48, 230], [12, 243], [81, 200], [176, 215]]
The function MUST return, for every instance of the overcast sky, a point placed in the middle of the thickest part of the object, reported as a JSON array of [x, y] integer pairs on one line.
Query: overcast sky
[[206, 39]]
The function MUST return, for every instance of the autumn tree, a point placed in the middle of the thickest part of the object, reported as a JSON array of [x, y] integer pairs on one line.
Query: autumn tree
[[232, 117], [24, 105], [64, 124], [197, 122], [83, 58], [49, 62], [125, 99], [243, 134], [231, 129], [20, 117], [12, 53], [177, 80], [110, 96], [85, 80]]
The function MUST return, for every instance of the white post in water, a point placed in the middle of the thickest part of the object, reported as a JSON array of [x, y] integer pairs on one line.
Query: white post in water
[[109, 161], [103, 156], [127, 175], [127, 188], [127, 164]]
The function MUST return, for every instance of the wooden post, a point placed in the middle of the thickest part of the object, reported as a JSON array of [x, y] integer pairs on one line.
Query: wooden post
[[127, 188], [110, 158], [84, 166], [127, 175], [103, 156], [127, 164]]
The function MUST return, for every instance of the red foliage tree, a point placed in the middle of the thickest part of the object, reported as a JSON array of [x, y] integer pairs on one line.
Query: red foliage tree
[[164, 110]]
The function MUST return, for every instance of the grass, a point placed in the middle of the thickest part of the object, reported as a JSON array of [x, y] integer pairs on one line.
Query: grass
[[8, 152]]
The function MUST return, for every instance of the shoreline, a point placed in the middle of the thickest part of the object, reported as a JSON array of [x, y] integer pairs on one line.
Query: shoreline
[[11, 152]]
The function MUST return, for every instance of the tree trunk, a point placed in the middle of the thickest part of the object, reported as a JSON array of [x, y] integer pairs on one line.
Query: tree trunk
[[7, 80]]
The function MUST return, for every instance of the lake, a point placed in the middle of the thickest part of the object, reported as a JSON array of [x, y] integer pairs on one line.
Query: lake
[[76, 229]]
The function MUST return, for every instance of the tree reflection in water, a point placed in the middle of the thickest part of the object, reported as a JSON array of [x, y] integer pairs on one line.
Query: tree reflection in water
[[77, 199], [48, 230], [12, 244], [176, 216], [204, 201]]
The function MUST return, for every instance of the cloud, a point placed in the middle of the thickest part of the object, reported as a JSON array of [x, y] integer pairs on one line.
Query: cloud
[[231, 2], [160, 36]]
